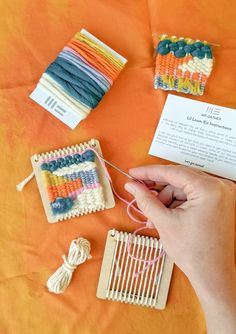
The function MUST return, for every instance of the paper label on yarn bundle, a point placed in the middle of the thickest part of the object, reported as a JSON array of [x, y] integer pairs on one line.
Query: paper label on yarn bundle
[[56, 107], [197, 134]]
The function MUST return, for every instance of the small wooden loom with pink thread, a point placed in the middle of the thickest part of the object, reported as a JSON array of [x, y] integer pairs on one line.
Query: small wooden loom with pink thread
[[127, 279]]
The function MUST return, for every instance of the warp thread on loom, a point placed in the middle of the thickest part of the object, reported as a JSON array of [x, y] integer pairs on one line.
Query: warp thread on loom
[[182, 64], [119, 280], [82, 73], [79, 252]]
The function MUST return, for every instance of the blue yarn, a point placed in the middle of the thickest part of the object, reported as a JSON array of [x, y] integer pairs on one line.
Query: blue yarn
[[173, 46], [189, 48], [180, 53], [77, 74], [181, 44], [87, 177], [100, 79], [68, 160], [52, 166], [198, 53], [181, 48], [71, 91], [77, 84], [164, 43], [164, 50], [44, 166], [61, 205], [198, 44]]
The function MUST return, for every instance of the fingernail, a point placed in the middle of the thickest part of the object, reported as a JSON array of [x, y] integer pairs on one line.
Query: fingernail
[[129, 187]]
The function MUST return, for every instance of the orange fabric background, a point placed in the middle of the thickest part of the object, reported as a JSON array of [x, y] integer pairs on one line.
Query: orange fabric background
[[32, 33]]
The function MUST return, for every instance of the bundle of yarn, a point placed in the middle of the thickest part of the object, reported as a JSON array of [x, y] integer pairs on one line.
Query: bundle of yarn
[[182, 64], [82, 73], [79, 252]]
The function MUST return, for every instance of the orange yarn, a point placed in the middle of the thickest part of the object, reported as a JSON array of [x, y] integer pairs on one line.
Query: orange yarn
[[95, 59], [170, 62], [63, 190]]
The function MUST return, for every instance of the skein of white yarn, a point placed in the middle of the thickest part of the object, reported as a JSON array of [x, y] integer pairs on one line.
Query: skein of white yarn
[[79, 252]]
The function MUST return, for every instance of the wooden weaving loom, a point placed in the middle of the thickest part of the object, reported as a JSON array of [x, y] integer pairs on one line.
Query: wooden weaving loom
[[124, 279]]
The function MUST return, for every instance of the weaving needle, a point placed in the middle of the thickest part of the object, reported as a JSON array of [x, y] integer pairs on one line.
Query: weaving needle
[[156, 188], [118, 169]]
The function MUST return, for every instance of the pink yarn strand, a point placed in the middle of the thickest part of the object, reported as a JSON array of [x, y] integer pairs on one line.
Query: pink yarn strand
[[147, 223], [130, 205]]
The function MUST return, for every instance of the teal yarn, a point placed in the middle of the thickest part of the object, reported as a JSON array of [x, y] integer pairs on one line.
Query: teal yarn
[[80, 63], [174, 47], [164, 50], [198, 44], [73, 91], [77, 74], [180, 53], [198, 53], [181, 44], [68, 161], [75, 82], [189, 48], [62, 205], [181, 49]]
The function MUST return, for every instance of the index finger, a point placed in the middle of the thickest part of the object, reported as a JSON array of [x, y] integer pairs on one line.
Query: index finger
[[177, 176]]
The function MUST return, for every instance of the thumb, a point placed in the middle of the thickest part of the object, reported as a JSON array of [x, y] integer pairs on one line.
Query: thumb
[[148, 203]]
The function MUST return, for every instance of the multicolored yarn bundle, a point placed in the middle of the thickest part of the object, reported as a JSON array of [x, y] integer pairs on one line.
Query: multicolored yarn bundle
[[82, 73], [182, 64], [72, 183]]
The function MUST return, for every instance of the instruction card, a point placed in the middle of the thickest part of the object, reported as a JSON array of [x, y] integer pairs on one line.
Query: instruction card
[[197, 134]]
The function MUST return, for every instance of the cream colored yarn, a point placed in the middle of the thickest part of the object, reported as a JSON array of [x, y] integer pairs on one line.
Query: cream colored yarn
[[79, 252]]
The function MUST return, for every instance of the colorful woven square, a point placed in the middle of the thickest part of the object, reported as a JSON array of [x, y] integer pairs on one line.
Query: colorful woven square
[[182, 64], [72, 183]]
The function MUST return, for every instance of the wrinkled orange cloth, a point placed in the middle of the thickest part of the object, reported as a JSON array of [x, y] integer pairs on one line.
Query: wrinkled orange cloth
[[32, 34]]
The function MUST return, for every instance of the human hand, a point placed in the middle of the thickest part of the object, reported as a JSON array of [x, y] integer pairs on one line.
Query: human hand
[[194, 215]]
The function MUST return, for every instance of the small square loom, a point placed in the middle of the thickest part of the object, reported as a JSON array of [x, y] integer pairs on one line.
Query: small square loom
[[182, 64], [123, 278], [71, 182]]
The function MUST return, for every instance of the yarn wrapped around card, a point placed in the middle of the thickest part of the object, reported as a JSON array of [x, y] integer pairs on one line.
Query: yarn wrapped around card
[[79, 77]]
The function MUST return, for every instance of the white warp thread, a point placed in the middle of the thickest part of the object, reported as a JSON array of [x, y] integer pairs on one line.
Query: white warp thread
[[79, 252]]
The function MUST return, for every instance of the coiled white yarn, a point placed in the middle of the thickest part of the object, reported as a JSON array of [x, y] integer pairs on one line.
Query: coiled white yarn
[[79, 252]]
